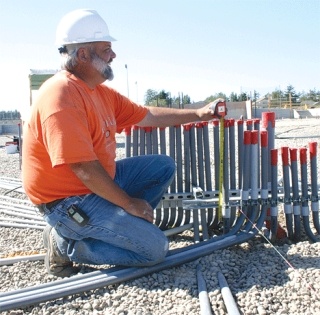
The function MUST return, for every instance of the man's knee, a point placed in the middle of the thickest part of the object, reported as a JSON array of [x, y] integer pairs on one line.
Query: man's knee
[[158, 253]]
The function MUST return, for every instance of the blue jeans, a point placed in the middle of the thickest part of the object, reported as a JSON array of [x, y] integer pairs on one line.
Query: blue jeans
[[113, 236]]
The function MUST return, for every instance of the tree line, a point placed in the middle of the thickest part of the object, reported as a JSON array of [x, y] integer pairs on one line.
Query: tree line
[[164, 98]]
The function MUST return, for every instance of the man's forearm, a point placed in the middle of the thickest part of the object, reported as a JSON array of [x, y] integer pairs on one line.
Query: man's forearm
[[163, 117], [93, 176]]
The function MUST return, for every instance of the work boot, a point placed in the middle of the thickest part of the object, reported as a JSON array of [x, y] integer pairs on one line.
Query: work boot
[[55, 263]]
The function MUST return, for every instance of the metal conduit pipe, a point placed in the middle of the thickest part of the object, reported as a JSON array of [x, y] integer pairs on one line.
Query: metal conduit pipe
[[173, 185], [148, 131], [253, 158], [226, 212], [274, 195], [163, 146], [268, 123], [295, 194], [127, 132], [159, 211], [205, 307], [228, 299], [240, 152], [164, 214], [155, 142], [232, 162], [264, 165], [178, 229], [14, 205], [304, 195], [187, 178], [135, 140], [15, 220], [201, 177], [246, 145], [24, 226], [13, 260], [179, 159], [256, 126], [21, 215], [207, 160], [286, 185], [142, 139], [314, 185], [246, 168], [216, 158], [194, 182], [94, 280]]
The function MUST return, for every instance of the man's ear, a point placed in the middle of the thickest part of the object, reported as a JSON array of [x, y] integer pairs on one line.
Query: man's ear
[[83, 54]]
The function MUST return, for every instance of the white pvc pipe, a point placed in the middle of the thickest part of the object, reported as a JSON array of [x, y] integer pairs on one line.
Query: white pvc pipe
[[13, 260]]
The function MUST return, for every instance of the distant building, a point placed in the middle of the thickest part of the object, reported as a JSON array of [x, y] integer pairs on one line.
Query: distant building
[[262, 102]]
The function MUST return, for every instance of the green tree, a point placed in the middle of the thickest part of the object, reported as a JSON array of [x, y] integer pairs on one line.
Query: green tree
[[234, 97], [256, 95], [243, 97], [291, 91], [277, 96], [150, 96], [211, 98], [312, 95]]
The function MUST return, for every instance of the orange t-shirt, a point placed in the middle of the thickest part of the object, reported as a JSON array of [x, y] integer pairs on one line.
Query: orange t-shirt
[[71, 123]]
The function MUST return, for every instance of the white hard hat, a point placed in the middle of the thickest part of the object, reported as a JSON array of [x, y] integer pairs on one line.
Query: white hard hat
[[82, 26]]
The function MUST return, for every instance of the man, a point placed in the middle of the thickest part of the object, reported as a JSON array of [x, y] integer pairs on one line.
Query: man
[[98, 211]]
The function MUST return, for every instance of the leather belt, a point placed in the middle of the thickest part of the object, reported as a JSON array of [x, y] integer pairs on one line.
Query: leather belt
[[48, 205]]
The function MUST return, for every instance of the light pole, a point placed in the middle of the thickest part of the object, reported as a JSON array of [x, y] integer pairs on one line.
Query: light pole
[[127, 80]]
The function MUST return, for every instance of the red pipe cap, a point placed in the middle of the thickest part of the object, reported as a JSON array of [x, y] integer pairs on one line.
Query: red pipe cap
[[268, 116]]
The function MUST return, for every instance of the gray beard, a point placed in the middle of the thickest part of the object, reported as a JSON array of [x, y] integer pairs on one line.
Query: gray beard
[[101, 66]]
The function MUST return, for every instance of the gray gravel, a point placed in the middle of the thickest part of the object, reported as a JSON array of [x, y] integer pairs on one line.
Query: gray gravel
[[260, 280]]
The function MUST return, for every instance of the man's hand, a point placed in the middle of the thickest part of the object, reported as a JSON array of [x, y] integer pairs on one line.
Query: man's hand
[[140, 208], [214, 107], [210, 111]]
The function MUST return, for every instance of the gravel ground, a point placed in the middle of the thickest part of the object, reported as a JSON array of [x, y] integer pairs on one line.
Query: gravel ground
[[261, 281]]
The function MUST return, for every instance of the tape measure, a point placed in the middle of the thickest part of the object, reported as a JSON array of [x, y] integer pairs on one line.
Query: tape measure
[[221, 111]]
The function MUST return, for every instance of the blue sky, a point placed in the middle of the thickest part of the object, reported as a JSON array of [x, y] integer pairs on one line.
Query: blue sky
[[197, 47]]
